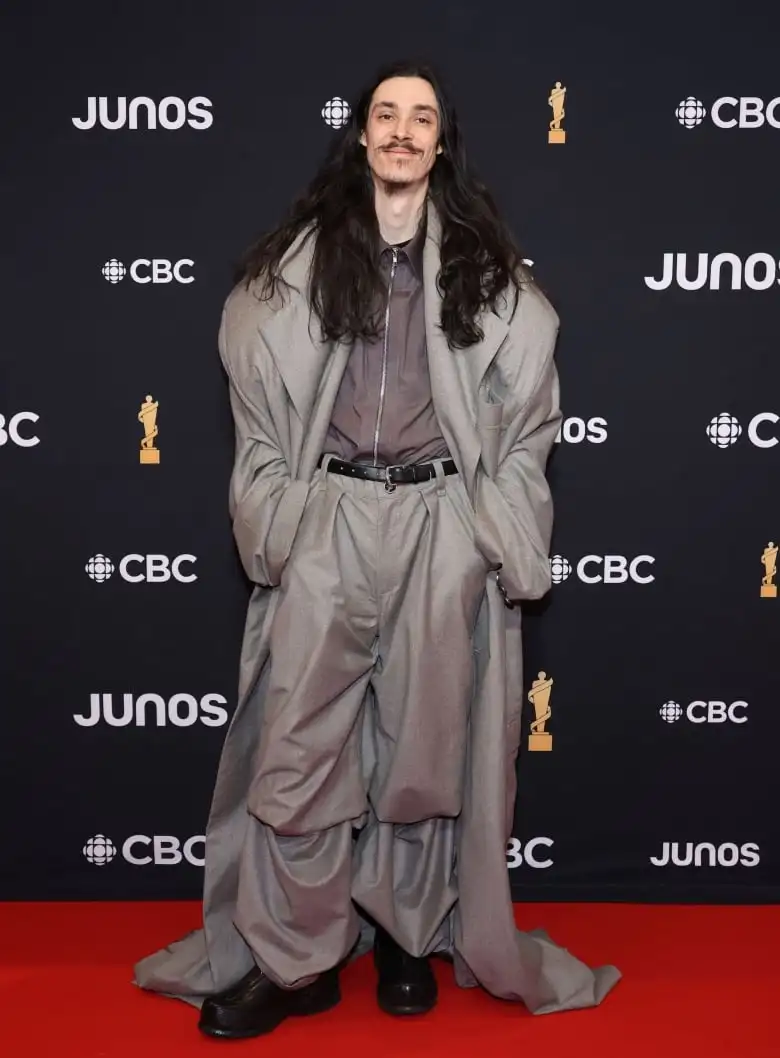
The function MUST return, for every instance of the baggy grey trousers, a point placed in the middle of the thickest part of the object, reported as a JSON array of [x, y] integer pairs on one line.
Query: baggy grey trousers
[[359, 770]]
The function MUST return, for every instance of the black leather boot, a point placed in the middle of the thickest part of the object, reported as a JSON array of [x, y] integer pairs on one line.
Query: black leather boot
[[255, 1005], [406, 983]]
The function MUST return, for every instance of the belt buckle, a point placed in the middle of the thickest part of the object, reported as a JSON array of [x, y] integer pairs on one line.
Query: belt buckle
[[390, 486]]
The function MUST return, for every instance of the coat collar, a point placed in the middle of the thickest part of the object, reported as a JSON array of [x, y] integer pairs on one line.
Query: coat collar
[[476, 358], [456, 374], [292, 330], [292, 333]]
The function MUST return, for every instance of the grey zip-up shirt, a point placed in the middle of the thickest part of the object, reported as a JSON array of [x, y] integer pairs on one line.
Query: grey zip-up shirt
[[384, 412]]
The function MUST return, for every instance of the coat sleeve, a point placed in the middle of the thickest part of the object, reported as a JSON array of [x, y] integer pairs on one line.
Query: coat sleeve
[[514, 508], [265, 503]]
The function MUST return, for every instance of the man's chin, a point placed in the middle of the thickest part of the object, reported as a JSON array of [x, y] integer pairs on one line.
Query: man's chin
[[394, 178]]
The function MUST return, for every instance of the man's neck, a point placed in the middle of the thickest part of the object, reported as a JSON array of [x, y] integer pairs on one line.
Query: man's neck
[[399, 210]]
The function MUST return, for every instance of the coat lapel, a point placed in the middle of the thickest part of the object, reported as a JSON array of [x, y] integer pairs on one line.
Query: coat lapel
[[292, 332], [311, 369], [456, 374], [315, 426]]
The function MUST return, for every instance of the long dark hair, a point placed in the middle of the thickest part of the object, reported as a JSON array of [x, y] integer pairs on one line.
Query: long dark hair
[[479, 258]]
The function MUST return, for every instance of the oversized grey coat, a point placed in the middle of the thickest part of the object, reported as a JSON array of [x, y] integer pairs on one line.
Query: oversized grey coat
[[498, 407]]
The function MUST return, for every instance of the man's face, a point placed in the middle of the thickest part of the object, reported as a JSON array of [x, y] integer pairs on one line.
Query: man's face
[[402, 130]]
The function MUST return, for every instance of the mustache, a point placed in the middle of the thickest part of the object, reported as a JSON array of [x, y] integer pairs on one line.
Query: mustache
[[400, 146]]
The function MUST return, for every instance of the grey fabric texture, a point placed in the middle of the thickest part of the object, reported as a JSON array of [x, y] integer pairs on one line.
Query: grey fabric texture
[[497, 404], [382, 587]]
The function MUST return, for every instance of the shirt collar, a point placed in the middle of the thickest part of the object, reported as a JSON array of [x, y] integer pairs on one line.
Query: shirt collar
[[413, 249]]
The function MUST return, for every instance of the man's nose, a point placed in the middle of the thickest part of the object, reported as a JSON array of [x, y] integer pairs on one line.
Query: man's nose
[[404, 130]]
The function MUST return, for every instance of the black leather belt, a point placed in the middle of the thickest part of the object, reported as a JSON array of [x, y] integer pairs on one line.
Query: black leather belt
[[392, 475]]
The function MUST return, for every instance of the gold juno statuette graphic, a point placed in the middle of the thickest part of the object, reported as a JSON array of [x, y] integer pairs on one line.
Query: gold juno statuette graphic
[[769, 562], [147, 416], [556, 98], [539, 697]]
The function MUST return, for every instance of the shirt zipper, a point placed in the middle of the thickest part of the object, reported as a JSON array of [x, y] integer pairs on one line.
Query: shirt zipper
[[383, 384]]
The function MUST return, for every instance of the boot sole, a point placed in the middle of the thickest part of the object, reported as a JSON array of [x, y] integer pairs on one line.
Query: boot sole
[[403, 1012], [315, 1005]]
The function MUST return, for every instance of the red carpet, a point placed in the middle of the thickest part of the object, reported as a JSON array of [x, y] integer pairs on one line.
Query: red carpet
[[697, 981]]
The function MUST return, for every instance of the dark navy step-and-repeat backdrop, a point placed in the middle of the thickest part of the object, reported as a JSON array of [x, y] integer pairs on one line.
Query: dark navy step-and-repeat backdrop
[[635, 155]]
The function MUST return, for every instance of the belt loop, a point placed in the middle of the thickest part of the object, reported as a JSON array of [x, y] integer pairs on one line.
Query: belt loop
[[441, 481], [325, 462]]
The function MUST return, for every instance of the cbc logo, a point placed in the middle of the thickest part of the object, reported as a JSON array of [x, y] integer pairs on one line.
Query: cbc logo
[[603, 569], [15, 430], [146, 270], [725, 430], [758, 272], [180, 710], [146, 569], [336, 112], [729, 112], [163, 850], [574, 430], [701, 712], [707, 854], [525, 852], [141, 112]]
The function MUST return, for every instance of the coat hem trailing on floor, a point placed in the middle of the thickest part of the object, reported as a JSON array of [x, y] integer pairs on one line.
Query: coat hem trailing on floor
[[497, 404]]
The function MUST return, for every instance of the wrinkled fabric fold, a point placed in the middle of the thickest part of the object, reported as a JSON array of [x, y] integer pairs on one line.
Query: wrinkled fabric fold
[[381, 588], [331, 808], [283, 382]]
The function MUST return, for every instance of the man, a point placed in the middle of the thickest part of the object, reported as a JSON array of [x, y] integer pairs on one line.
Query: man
[[395, 400]]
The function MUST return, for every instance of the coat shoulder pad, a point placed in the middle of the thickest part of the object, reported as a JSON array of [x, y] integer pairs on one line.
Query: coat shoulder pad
[[529, 345], [535, 315], [244, 306]]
